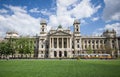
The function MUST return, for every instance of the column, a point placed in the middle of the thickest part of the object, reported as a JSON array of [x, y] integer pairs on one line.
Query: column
[[57, 53], [57, 43], [50, 42], [67, 43], [98, 44], [91, 44], [62, 43], [70, 43]]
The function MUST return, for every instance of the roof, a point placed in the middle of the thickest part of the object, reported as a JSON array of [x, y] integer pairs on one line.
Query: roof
[[11, 32], [59, 26], [43, 21], [76, 21]]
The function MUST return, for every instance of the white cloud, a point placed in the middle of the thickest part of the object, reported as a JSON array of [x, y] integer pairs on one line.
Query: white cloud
[[68, 10], [45, 12], [19, 21], [3, 11], [95, 19], [111, 10], [34, 10], [65, 13], [115, 26]]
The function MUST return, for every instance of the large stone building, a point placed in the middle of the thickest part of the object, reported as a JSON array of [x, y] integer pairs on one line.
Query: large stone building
[[62, 43]]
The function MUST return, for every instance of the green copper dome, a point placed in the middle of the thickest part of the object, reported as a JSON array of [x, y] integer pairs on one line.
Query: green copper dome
[[59, 26]]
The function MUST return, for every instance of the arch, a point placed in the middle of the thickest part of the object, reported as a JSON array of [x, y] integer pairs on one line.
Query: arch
[[55, 54], [65, 53], [60, 53]]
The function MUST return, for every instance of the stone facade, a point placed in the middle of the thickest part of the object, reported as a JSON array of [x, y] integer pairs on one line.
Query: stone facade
[[62, 43]]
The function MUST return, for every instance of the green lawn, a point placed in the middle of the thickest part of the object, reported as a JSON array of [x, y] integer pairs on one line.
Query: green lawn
[[60, 68]]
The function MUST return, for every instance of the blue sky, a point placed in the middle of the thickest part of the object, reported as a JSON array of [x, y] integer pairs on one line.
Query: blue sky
[[24, 16]]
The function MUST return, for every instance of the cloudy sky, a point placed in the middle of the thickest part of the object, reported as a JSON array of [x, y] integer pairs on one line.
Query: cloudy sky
[[24, 16]]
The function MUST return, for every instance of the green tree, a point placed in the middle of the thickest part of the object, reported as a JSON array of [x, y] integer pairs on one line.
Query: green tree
[[6, 48], [24, 46]]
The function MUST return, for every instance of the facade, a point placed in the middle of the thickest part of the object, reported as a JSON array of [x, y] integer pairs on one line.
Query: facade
[[62, 43]]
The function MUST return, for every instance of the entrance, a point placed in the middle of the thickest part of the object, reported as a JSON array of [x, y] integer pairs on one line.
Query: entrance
[[60, 54]]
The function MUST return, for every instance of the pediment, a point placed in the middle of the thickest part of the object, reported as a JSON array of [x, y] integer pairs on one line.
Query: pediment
[[60, 33]]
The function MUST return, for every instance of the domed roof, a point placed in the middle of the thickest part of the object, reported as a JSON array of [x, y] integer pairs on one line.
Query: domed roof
[[76, 21], [11, 32], [43, 21], [59, 26]]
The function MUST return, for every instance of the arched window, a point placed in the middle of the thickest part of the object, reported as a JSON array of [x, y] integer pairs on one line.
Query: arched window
[[65, 53], [55, 54], [76, 29], [60, 54]]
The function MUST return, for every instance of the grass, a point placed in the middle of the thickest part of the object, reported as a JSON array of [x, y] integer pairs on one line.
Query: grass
[[60, 68]]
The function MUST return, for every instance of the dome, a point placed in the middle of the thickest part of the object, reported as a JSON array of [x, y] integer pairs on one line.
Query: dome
[[76, 21], [43, 21], [59, 26], [11, 32]]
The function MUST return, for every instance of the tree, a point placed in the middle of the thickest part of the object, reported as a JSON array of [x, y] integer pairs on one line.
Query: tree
[[6, 48], [24, 46], [89, 50]]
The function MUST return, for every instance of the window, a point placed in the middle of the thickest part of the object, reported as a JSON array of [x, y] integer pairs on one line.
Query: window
[[55, 54], [85, 46], [78, 41], [76, 25], [78, 46], [89, 41], [65, 53], [43, 30], [41, 46], [93, 47], [96, 41], [100, 41], [73, 52], [41, 52], [76, 29]]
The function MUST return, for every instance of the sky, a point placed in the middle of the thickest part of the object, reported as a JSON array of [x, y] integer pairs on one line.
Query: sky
[[24, 16]]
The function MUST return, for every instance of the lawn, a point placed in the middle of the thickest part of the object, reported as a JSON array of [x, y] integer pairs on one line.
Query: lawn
[[60, 68]]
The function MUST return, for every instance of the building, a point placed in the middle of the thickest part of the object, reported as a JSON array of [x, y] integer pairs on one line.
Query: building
[[62, 43]]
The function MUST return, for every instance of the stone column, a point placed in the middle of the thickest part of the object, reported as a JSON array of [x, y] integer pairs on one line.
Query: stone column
[[99, 44], [62, 43], [95, 44], [53, 42], [67, 43], [50, 42], [91, 44], [70, 43], [57, 43], [62, 53], [57, 54]]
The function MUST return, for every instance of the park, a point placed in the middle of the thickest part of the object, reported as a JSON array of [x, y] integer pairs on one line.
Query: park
[[60, 68]]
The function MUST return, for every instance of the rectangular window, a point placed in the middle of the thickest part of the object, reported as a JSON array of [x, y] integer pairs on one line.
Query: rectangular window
[[78, 46]]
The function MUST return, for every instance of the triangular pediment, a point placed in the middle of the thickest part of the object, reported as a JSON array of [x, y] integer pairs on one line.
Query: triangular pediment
[[60, 33]]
